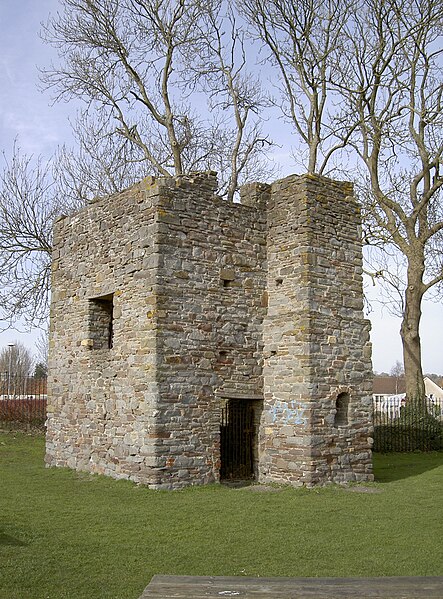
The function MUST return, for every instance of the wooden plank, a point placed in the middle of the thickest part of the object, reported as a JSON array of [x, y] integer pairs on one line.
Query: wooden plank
[[404, 587]]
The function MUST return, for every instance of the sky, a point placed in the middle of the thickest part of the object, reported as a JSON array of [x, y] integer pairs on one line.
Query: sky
[[28, 116]]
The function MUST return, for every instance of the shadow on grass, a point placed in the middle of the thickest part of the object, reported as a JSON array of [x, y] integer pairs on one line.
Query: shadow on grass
[[389, 467], [8, 541]]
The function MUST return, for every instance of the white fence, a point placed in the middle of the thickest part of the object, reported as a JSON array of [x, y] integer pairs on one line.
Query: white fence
[[392, 404]]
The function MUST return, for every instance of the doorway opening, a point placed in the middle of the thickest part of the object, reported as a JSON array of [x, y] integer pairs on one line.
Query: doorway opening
[[238, 439]]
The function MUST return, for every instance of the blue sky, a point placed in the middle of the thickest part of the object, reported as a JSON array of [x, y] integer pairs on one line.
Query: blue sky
[[27, 114]]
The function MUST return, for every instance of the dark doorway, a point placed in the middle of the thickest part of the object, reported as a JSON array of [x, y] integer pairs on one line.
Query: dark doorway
[[237, 440]]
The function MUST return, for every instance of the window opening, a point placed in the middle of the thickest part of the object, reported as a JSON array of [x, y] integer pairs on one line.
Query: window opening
[[101, 321], [341, 409]]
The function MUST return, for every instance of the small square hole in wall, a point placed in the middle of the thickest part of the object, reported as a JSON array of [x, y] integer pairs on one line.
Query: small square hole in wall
[[101, 321], [227, 276], [224, 357], [279, 282]]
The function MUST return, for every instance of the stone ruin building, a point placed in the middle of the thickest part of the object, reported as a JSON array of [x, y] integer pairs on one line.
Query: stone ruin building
[[194, 340]]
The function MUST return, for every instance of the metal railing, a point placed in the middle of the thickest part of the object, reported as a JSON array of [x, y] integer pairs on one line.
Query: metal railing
[[402, 424], [23, 402]]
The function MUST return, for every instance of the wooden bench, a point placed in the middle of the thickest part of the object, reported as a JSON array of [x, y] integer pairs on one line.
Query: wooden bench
[[404, 587]]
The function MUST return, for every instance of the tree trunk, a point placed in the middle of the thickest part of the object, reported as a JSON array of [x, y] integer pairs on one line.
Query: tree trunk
[[410, 334]]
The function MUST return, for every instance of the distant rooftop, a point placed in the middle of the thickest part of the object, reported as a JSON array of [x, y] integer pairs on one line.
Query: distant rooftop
[[388, 385]]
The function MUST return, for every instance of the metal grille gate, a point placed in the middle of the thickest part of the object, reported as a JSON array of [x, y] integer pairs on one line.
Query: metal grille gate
[[236, 440]]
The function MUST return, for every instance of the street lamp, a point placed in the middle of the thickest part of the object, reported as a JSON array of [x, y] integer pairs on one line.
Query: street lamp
[[11, 346]]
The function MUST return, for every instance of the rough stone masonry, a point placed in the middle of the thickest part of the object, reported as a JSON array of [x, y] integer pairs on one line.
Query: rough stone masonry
[[171, 305]]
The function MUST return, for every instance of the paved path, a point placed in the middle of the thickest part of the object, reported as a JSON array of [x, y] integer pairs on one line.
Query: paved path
[[396, 587]]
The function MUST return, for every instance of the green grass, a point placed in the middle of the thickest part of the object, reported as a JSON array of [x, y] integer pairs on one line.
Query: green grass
[[70, 535]]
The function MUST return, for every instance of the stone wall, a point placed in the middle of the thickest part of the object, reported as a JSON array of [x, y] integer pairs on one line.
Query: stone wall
[[160, 316], [211, 283], [102, 400], [316, 342]]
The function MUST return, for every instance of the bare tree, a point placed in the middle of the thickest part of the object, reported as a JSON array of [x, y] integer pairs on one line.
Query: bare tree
[[125, 59], [16, 361], [28, 206], [305, 43], [143, 68], [236, 100], [392, 82], [98, 164], [33, 193], [41, 354], [398, 372]]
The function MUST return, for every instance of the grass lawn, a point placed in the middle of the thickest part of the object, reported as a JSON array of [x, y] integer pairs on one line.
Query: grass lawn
[[70, 535]]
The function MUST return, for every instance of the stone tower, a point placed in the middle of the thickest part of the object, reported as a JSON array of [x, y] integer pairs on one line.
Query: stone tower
[[317, 382], [193, 339]]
